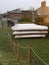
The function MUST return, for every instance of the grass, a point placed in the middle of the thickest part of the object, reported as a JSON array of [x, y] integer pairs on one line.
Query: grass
[[40, 46], [7, 58], [6, 55], [3, 40]]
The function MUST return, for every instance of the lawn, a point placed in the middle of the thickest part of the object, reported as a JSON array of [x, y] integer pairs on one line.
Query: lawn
[[40, 46], [6, 55], [7, 58]]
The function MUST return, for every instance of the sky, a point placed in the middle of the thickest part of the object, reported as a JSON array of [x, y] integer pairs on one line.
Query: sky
[[8, 5]]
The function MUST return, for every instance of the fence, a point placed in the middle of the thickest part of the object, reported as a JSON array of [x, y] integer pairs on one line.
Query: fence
[[24, 55], [29, 56]]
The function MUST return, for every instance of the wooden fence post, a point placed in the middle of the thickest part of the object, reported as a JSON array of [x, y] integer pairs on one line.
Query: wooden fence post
[[14, 50], [18, 54], [29, 54]]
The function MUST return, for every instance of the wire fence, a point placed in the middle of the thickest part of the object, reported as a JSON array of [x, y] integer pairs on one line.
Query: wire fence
[[24, 55]]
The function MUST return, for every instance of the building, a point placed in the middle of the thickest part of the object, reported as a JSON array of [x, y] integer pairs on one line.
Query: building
[[15, 15], [43, 11], [28, 14], [18, 15]]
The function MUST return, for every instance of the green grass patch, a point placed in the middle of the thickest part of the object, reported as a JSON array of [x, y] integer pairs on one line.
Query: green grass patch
[[40, 46]]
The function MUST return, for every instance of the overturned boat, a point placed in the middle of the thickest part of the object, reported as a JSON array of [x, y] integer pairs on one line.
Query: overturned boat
[[29, 30]]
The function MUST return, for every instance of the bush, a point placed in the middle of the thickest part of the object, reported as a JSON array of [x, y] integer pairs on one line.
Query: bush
[[39, 20], [26, 18]]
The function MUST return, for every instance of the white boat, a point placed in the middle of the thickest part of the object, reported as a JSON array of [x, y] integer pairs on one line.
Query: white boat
[[27, 36], [29, 30], [28, 27]]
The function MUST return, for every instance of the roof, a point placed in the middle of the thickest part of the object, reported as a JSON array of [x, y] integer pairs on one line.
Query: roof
[[27, 11], [28, 27], [16, 11]]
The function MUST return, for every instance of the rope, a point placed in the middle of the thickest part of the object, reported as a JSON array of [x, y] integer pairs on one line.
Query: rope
[[39, 57]]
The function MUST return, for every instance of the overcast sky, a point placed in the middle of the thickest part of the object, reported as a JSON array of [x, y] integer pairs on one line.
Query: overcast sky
[[7, 5]]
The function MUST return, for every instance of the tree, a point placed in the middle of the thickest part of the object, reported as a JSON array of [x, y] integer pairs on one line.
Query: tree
[[26, 18], [39, 20]]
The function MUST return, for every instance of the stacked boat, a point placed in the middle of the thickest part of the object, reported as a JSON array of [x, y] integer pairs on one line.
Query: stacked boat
[[29, 30]]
